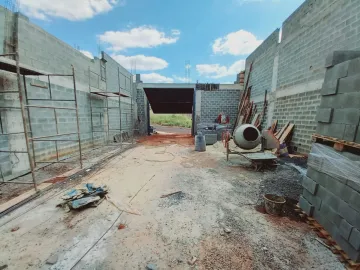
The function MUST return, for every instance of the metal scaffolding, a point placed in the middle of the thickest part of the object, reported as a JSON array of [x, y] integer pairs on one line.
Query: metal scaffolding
[[9, 66], [111, 94]]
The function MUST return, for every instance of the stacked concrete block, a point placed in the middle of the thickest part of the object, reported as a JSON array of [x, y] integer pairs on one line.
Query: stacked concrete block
[[332, 184], [332, 195], [339, 113]]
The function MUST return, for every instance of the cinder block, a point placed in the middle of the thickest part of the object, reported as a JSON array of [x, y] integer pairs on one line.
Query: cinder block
[[348, 213], [329, 226], [338, 57], [314, 200], [350, 133], [324, 115], [332, 130], [354, 67], [328, 198], [317, 176], [349, 84], [349, 116], [309, 184], [345, 229], [354, 199], [339, 101], [306, 206], [210, 139], [330, 87], [355, 239], [347, 247], [336, 72], [330, 214]]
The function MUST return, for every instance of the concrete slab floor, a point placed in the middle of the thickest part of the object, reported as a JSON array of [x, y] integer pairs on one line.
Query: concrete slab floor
[[169, 231]]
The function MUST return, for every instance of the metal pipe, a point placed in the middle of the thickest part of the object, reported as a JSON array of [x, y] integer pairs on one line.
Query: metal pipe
[[42, 99], [91, 113], [24, 118], [77, 116], [8, 54], [50, 136], [120, 105], [6, 92], [59, 75], [8, 182], [60, 140], [28, 111], [16, 152], [49, 107]]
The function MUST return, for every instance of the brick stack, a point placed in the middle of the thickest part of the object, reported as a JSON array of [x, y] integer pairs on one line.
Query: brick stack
[[332, 185]]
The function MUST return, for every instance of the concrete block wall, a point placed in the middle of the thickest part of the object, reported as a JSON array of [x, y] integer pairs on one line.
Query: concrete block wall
[[44, 52], [339, 112], [141, 123], [301, 110], [332, 198], [215, 102], [314, 30]]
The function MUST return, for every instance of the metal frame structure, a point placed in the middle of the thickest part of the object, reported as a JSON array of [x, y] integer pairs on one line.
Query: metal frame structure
[[25, 114], [109, 94]]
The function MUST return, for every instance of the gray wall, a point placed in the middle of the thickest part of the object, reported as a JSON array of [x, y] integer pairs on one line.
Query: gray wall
[[215, 102], [297, 64], [42, 51]]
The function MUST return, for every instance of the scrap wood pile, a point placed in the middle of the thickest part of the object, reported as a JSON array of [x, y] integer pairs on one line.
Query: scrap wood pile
[[248, 112], [285, 133], [85, 196]]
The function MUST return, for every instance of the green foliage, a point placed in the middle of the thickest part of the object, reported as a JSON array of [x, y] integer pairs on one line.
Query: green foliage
[[177, 120]]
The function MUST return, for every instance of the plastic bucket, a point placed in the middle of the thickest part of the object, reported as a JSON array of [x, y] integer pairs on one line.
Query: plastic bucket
[[274, 204]]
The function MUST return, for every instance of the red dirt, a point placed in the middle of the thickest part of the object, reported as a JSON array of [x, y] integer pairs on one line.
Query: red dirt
[[163, 139]]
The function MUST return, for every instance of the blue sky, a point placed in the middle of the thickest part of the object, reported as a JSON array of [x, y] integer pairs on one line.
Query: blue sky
[[160, 36]]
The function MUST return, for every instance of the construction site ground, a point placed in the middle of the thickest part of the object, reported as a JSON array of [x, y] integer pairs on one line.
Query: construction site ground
[[216, 196]]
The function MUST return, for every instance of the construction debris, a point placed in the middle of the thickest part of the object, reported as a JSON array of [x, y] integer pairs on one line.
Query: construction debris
[[87, 195], [52, 259], [121, 226], [151, 266], [192, 261], [15, 229], [170, 194]]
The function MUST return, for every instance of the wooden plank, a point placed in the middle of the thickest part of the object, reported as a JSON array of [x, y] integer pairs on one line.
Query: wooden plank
[[318, 137], [286, 133], [273, 125], [22, 197], [279, 134], [256, 117]]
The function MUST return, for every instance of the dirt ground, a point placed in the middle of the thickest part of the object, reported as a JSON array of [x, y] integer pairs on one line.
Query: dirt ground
[[215, 194], [172, 129]]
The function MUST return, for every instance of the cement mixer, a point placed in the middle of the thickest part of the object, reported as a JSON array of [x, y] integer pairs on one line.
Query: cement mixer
[[247, 139]]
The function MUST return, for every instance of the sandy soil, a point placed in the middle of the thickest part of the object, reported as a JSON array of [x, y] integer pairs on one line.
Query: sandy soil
[[170, 231]]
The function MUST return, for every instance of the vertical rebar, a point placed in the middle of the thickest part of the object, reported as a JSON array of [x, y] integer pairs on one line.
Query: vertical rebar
[[28, 112], [131, 111], [77, 116], [120, 107], [23, 117], [91, 112]]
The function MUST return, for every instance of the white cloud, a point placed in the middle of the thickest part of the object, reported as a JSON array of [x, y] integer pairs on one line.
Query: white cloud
[[87, 53], [181, 79], [140, 62], [67, 9], [236, 43], [140, 37], [217, 71], [155, 78]]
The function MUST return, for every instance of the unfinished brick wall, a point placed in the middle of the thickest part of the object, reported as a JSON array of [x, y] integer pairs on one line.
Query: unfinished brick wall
[[299, 109], [215, 102], [42, 51], [312, 32]]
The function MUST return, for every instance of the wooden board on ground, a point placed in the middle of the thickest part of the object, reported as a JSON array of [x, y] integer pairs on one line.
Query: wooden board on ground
[[22, 197], [286, 133]]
